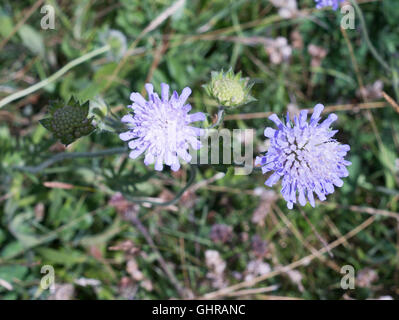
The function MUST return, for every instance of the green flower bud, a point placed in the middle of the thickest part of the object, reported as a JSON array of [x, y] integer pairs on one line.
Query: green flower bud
[[68, 122], [229, 90], [117, 42]]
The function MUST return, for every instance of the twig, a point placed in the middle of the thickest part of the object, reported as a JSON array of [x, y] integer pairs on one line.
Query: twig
[[206, 182], [324, 242], [291, 266], [247, 292], [328, 109], [263, 22], [5, 197], [270, 297], [372, 211], [300, 238], [335, 230], [5, 284], [158, 53], [392, 102], [360, 209]]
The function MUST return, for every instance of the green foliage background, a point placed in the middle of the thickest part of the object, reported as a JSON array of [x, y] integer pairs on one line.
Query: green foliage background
[[73, 229]]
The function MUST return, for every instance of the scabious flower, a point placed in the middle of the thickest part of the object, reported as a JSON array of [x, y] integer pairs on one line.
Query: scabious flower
[[305, 156], [328, 3], [160, 127]]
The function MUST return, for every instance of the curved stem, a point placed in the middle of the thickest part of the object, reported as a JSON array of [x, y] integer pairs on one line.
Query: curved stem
[[70, 155], [193, 173], [73, 155], [219, 119], [53, 77], [367, 39]]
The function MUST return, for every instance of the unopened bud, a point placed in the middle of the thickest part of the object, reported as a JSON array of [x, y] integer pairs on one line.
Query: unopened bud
[[69, 122], [229, 90]]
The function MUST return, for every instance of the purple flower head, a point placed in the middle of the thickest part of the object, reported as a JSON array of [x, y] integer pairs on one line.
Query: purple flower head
[[160, 127], [328, 3], [305, 156]]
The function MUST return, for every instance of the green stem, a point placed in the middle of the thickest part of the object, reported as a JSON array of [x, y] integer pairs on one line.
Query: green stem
[[191, 179], [367, 39], [219, 119], [73, 155], [53, 77], [70, 155]]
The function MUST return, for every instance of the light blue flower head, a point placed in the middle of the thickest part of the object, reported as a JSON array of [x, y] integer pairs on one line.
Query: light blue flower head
[[160, 127], [305, 156]]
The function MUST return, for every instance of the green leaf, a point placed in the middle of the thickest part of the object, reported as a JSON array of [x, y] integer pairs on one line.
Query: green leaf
[[103, 237], [22, 230], [12, 249], [89, 92], [85, 107], [63, 256], [32, 39], [2, 236], [6, 25], [11, 272]]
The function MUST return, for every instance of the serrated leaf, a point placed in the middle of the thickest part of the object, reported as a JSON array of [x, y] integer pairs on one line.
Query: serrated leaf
[[54, 105], [46, 123], [86, 108], [67, 141]]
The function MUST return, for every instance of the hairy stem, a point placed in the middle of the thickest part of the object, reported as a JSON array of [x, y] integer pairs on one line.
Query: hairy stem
[[139, 200], [53, 77], [219, 119], [70, 155]]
